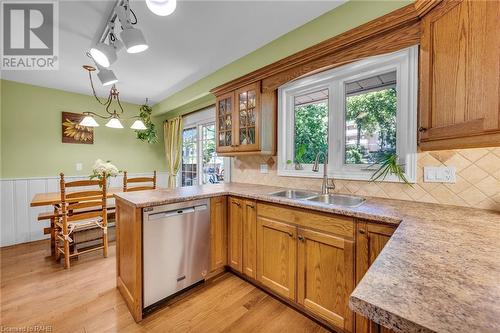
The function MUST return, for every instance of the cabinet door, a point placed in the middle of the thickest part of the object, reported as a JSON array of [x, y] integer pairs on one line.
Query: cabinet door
[[224, 122], [247, 118], [218, 233], [459, 75], [249, 239], [326, 276], [370, 240], [276, 256], [235, 234]]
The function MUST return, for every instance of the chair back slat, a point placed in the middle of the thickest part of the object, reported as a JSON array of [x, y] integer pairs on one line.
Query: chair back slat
[[80, 183], [81, 195], [140, 188], [84, 216], [84, 204], [140, 180], [136, 180]]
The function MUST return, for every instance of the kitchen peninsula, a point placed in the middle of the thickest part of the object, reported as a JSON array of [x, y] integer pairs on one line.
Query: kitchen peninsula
[[438, 271]]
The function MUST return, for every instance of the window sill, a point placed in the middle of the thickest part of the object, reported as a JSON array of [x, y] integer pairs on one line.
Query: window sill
[[345, 175]]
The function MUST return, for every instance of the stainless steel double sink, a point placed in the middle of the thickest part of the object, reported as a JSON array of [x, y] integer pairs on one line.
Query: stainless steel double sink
[[329, 199]]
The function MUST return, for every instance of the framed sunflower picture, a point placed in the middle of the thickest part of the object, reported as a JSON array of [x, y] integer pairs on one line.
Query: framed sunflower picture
[[74, 133]]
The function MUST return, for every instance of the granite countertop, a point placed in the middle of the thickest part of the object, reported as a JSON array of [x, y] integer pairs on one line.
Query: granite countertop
[[439, 272]]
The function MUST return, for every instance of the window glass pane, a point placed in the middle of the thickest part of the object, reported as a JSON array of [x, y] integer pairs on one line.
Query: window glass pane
[[370, 114], [189, 157], [212, 165], [311, 126]]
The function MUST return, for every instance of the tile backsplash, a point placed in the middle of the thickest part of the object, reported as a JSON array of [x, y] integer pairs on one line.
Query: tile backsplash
[[477, 179]]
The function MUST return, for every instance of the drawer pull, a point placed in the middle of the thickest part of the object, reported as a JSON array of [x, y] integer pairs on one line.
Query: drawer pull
[[361, 231], [422, 129], [301, 238]]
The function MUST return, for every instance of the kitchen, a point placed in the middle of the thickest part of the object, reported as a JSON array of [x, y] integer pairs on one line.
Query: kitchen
[[350, 183]]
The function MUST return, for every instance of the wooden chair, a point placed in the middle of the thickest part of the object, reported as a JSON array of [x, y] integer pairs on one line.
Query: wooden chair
[[80, 209], [127, 180]]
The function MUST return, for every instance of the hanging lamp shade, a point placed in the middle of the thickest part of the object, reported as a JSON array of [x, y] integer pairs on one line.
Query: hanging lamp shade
[[138, 125], [114, 123], [88, 121]]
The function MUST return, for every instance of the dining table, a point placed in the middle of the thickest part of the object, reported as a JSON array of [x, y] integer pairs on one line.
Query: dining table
[[54, 199]]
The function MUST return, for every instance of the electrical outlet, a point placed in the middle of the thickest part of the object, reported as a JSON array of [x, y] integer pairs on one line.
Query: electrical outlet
[[79, 166], [264, 168], [439, 175]]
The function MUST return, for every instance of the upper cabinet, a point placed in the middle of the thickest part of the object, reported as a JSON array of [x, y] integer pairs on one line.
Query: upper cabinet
[[246, 121], [459, 75]]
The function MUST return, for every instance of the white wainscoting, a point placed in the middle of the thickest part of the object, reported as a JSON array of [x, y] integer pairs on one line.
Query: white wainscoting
[[18, 221]]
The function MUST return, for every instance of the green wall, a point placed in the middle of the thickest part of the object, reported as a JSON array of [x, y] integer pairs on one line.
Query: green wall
[[31, 135], [341, 19]]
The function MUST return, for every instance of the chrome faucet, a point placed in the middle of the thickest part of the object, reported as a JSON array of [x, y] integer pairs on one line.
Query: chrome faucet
[[328, 183]]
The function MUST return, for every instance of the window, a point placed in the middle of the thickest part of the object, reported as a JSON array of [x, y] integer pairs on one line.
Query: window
[[200, 163], [356, 113], [189, 173]]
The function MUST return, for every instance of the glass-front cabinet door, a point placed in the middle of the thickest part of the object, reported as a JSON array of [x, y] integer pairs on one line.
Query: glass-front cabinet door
[[247, 117], [224, 122]]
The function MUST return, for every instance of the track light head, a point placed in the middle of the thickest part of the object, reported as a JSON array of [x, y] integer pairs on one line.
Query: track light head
[[103, 54], [162, 7], [106, 76], [134, 40]]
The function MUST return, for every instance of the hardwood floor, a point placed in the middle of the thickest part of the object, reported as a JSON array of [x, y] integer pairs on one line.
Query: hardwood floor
[[36, 291]]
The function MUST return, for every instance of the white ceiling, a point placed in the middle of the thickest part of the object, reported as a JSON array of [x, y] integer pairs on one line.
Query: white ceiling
[[196, 40]]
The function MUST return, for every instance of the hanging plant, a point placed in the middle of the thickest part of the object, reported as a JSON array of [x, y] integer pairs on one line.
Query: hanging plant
[[148, 135], [389, 165]]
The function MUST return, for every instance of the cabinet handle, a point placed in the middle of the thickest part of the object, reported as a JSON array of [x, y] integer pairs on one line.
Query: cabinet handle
[[361, 231], [422, 129], [301, 238], [290, 235], [237, 203], [251, 206]]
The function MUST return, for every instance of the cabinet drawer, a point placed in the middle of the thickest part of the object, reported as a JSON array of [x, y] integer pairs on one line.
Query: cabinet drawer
[[330, 223]]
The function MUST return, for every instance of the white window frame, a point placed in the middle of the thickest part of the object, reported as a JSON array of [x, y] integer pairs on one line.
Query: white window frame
[[198, 120], [405, 63]]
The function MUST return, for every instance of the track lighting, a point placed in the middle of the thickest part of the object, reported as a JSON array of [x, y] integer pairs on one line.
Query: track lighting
[[132, 38], [106, 76], [162, 7], [103, 54]]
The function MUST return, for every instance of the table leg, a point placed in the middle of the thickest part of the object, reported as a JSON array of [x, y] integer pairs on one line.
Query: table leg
[[52, 237]]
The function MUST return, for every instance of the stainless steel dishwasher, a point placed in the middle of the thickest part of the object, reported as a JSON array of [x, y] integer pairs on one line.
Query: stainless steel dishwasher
[[176, 246]]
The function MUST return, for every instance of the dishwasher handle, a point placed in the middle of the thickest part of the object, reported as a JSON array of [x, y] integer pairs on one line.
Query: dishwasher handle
[[176, 212]]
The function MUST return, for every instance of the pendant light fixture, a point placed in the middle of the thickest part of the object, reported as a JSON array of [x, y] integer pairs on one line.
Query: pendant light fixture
[[112, 101], [162, 7]]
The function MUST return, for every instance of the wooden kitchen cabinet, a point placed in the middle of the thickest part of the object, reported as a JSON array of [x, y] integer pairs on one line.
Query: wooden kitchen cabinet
[[246, 121], [460, 75], [235, 234], [218, 233], [249, 238], [370, 240], [277, 256], [325, 276]]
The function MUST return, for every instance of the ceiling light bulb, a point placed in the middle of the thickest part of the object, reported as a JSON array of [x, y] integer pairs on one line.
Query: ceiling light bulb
[[138, 125], [114, 123], [88, 121], [162, 7], [103, 54], [134, 40], [106, 76]]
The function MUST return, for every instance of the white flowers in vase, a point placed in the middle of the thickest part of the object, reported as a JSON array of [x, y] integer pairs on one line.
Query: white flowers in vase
[[103, 169]]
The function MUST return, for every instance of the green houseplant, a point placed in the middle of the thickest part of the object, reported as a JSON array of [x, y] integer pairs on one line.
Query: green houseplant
[[389, 164], [148, 135], [299, 157]]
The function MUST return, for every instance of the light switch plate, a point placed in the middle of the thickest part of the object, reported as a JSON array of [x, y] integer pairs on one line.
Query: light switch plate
[[264, 168], [439, 174], [79, 166]]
